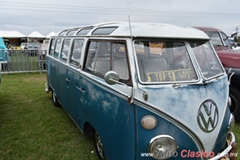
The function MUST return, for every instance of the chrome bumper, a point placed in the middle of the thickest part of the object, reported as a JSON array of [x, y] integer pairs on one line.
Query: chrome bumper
[[227, 154], [47, 89]]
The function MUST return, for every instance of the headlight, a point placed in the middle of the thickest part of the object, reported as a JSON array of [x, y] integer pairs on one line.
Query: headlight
[[162, 147], [231, 123]]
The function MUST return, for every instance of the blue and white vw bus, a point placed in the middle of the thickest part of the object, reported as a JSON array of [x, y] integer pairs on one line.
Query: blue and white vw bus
[[144, 91]]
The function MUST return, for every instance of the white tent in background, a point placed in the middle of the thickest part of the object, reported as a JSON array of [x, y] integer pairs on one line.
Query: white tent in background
[[11, 34], [50, 34], [36, 34]]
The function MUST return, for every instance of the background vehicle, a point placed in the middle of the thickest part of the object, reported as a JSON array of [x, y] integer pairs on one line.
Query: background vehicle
[[4, 55], [42, 54], [230, 58], [33, 48]]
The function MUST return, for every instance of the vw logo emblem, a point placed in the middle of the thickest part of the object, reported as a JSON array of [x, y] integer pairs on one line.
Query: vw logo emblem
[[208, 116]]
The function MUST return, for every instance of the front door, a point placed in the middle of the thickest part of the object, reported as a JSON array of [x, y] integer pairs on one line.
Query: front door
[[107, 107]]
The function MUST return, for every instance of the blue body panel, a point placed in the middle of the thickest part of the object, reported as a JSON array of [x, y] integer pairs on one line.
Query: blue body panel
[[112, 116], [86, 100]]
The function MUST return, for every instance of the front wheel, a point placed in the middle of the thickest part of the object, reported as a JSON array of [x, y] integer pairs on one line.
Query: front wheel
[[235, 107], [99, 146], [54, 99]]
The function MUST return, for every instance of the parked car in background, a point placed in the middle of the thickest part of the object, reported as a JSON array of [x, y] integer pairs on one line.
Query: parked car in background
[[33, 48], [230, 58], [42, 54], [4, 55], [23, 46]]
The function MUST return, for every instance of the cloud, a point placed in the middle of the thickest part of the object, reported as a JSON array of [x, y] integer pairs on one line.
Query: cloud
[[44, 16]]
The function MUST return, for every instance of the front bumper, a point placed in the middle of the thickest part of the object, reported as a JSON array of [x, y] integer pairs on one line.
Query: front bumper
[[230, 152]]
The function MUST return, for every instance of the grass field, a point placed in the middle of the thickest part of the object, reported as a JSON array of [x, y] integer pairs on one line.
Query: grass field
[[32, 128]]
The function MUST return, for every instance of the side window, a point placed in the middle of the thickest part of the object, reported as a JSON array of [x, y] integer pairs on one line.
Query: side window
[[65, 50], [51, 48], [98, 58], [76, 52], [215, 38], [119, 60], [57, 48], [225, 39], [104, 56]]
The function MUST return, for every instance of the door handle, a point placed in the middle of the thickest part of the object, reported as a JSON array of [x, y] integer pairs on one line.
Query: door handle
[[67, 79], [80, 89]]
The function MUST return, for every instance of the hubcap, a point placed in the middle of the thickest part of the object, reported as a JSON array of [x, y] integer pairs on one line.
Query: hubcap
[[99, 146], [54, 97]]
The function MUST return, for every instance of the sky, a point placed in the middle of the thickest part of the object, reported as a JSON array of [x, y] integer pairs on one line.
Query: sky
[[47, 16]]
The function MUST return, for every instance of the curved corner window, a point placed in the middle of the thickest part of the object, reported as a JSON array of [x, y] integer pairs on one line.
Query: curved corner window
[[71, 32], [51, 48], [207, 59], [84, 31], [63, 33], [103, 31]]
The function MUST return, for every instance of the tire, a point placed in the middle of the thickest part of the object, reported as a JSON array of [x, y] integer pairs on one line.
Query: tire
[[99, 146], [55, 100], [235, 107]]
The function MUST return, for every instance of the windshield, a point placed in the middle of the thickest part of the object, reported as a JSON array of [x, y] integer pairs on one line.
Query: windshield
[[169, 61], [164, 61], [215, 38], [207, 59]]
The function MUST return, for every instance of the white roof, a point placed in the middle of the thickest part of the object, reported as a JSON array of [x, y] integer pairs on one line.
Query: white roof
[[36, 34], [11, 34], [159, 30]]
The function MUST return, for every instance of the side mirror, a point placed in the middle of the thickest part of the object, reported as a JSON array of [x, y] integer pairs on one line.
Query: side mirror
[[111, 77]]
